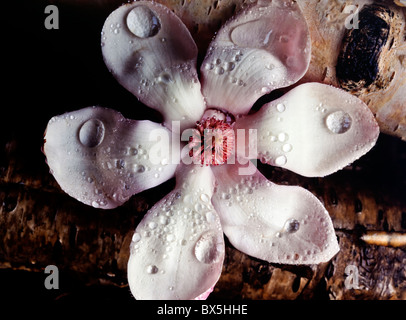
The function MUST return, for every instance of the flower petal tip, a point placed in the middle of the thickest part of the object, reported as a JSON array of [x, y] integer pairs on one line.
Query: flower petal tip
[[84, 155], [140, 46], [265, 47], [275, 223], [177, 250], [314, 130]]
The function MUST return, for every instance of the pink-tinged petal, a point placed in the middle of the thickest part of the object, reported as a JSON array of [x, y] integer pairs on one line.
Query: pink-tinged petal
[[177, 250], [279, 224], [313, 130], [102, 159], [265, 47], [205, 295], [152, 54]]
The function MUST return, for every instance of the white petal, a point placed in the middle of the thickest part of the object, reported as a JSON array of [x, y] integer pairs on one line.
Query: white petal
[[152, 54], [265, 47], [100, 158], [313, 130], [177, 250], [280, 224]]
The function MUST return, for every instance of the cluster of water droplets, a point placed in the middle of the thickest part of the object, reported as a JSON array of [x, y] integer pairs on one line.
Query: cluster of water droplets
[[90, 134], [270, 47], [245, 194], [336, 121], [279, 156], [122, 162], [240, 193], [249, 195], [126, 160], [227, 65], [136, 35], [184, 221], [114, 29]]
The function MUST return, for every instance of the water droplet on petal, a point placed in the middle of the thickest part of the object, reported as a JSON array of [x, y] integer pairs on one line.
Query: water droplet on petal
[[91, 133], [287, 147], [142, 22], [265, 90], [204, 197], [164, 220], [120, 164], [229, 66], [282, 137], [225, 196], [95, 204], [138, 168], [136, 237], [280, 161], [270, 66], [338, 122], [165, 78], [209, 66], [281, 107], [219, 70], [198, 207], [291, 226], [210, 217], [240, 35], [152, 269], [152, 225], [209, 248]]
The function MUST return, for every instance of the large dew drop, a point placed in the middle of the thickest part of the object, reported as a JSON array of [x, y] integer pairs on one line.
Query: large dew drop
[[240, 35], [338, 122], [91, 133], [209, 248], [142, 22]]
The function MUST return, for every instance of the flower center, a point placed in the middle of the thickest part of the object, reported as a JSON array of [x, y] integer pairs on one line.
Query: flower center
[[212, 141]]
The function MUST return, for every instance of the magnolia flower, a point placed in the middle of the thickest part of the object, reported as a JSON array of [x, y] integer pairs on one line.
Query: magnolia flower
[[102, 159]]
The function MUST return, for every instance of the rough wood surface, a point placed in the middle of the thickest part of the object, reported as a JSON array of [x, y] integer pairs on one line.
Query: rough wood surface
[[51, 72], [386, 95]]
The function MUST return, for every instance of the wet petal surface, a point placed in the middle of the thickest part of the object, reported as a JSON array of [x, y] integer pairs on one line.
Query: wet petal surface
[[279, 224], [177, 250], [313, 130], [265, 47], [100, 158], [152, 54]]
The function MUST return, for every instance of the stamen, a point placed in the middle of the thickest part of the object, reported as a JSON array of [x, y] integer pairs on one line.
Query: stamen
[[212, 142]]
